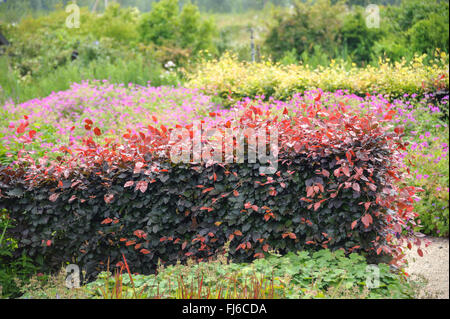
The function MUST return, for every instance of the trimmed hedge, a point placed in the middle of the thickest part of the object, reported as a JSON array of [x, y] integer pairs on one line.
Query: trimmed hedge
[[233, 81], [338, 186]]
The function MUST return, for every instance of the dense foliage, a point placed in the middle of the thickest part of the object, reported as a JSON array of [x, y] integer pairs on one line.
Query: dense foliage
[[58, 121], [87, 177], [337, 185], [173, 29], [233, 80], [314, 29]]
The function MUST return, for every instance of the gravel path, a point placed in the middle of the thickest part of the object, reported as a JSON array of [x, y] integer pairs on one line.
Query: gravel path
[[433, 267]]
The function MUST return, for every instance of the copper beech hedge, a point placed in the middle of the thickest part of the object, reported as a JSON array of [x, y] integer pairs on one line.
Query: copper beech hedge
[[339, 185]]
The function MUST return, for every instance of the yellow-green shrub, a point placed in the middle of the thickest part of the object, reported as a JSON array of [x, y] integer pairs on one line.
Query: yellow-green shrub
[[230, 78]]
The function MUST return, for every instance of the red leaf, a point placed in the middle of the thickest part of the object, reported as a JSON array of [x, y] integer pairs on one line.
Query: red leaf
[[354, 223], [349, 156], [139, 233], [142, 186], [238, 233], [22, 127], [346, 171], [53, 197], [107, 221], [367, 220], [372, 187], [420, 252], [337, 172], [207, 190], [138, 166], [316, 206], [145, 251], [108, 198], [49, 242], [128, 184], [130, 242], [355, 187]]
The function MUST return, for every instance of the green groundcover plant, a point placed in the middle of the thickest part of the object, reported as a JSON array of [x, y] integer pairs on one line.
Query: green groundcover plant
[[305, 275], [322, 274]]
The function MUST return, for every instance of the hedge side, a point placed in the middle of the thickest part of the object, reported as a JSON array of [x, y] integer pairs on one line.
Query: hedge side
[[337, 186], [233, 81]]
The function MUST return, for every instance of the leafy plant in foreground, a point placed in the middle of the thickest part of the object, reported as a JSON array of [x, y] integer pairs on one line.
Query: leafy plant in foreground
[[338, 185]]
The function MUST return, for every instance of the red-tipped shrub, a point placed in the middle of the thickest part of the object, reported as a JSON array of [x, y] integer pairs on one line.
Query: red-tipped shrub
[[338, 185]]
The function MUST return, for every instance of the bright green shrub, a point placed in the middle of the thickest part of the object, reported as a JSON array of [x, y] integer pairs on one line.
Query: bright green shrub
[[430, 33], [308, 25], [168, 26]]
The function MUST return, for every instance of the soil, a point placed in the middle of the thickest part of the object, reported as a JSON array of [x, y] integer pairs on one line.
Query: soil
[[432, 269]]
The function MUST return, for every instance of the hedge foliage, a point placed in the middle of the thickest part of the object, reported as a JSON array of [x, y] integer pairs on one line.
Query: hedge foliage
[[233, 80], [338, 185]]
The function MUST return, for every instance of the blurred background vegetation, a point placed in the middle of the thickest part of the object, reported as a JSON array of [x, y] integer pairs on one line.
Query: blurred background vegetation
[[158, 41]]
